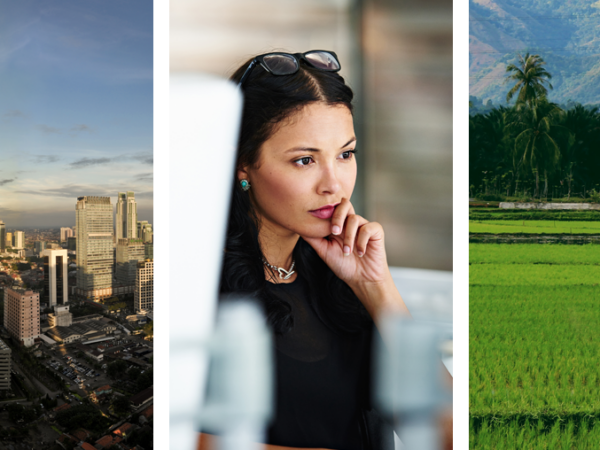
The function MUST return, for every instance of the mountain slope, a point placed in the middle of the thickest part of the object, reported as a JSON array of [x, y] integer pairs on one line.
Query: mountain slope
[[565, 33]]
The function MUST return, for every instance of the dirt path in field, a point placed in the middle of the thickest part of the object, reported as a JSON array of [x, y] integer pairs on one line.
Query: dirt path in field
[[482, 238]]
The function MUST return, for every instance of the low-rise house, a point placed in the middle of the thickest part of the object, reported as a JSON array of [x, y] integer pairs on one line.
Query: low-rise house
[[142, 397], [124, 430], [106, 441]]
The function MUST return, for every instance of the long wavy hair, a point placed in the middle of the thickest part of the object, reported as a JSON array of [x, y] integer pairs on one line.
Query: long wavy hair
[[268, 101]]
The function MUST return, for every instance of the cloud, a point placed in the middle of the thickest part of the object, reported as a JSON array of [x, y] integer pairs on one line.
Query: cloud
[[86, 162], [6, 181], [146, 159], [40, 159], [79, 128], [14, 114], [48, 130], [144, 176]]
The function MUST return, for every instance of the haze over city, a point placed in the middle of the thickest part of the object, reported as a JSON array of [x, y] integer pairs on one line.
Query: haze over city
[[75, 110]]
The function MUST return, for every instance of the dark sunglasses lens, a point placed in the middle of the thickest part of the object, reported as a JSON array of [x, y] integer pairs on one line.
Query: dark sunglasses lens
[[323, 60], [281, 64]]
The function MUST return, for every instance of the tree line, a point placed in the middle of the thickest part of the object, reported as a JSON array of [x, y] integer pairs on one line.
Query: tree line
[[534, 149]]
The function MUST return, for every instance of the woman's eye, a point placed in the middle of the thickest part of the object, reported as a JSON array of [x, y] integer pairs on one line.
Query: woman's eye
[[348, 156]]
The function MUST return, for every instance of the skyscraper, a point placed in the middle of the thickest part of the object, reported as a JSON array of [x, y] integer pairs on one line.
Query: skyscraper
[[129, 253], [144, 230], [2, 237], [56, 289], [39, 246], [143, 295], [126, 216], [22, 315], [65, 233], [19, 239], [9, 241], [94, 218]]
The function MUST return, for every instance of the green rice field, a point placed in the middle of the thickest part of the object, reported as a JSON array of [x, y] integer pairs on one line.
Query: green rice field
[[534, 346], [534, 227]]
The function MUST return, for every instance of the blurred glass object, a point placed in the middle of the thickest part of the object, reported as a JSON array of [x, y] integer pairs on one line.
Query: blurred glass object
[[239, 394], [205, 113]]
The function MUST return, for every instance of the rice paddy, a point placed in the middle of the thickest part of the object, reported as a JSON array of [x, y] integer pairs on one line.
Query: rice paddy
[[534, 346]]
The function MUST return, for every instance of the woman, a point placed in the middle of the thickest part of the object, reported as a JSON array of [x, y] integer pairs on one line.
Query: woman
[[295, 242]]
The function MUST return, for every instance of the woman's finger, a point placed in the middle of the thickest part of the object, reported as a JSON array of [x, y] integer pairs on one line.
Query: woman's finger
[[365, 233], [339, 216], [352, 223]]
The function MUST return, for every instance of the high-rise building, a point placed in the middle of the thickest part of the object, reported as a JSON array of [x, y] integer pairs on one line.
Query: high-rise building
[[72, 243], [149, 250], [129, 253], [2, 237], [19, 240], [143, 294], [39, 246], [4, 366], [94, 218], [56, 286], [22, 315], [9, 241], [126, 220], [65, 233], [144, 230]]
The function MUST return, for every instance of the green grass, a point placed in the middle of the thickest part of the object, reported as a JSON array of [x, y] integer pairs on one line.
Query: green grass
[[534, 315], [534, 227], [520, 214], [588, 254]]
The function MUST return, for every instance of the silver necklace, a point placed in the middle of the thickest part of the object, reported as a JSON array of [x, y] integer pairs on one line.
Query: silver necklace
[[281, 270]]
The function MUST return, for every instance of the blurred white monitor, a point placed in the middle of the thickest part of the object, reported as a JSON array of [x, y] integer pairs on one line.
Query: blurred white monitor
[[205, 114]]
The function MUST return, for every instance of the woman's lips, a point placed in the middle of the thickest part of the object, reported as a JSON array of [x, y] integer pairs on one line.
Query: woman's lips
[[324, 213]]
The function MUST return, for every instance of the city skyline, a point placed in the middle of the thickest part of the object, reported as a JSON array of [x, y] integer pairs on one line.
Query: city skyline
[[76, 110]]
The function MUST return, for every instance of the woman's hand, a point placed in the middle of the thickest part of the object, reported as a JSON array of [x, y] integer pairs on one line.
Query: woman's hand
[[354, 250]]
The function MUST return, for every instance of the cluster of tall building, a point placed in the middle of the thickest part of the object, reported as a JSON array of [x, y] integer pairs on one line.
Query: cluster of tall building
[[112, 260], [103, 250], [15, 240]]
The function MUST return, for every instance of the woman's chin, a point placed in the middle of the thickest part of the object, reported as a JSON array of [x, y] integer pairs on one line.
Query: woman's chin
[[316, 231]]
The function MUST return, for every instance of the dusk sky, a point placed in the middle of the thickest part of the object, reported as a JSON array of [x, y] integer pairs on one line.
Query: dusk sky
[[75, 107]]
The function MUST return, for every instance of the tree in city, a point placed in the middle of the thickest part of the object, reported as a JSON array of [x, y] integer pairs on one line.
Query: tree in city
[[116, 369], [133, 373], [120, 405]]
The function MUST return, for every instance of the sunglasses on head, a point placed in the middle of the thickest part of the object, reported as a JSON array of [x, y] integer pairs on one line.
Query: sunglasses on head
[[277, 63]]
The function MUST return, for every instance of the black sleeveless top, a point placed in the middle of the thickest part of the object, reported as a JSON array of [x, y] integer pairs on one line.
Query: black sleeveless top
[[322, 380]]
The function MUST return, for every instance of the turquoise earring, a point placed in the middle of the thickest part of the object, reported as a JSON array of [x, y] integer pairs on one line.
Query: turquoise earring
[[245, 185]]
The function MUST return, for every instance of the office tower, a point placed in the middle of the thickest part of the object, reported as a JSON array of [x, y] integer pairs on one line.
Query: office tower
[[94, 218], [126, 216], [149, 251], [56, 287], [19, 239], [22, 315], [144, 231], [65, 233], [129, 253], [2, 237], [4, 366], [61, 317], [9, 241], [143, 294], [39, 246], [72, 243]]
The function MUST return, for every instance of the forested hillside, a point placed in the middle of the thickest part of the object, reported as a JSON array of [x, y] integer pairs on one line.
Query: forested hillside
[[565, 33]]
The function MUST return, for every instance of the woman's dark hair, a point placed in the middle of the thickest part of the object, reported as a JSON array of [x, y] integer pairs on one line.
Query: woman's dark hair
[[268, 101]]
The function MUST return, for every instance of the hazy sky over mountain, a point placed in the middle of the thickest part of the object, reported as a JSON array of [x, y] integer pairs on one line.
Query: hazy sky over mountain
[[75, 107]]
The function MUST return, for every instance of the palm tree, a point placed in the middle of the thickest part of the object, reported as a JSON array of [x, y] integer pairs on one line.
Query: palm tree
[[537, 136], [530, 77]]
